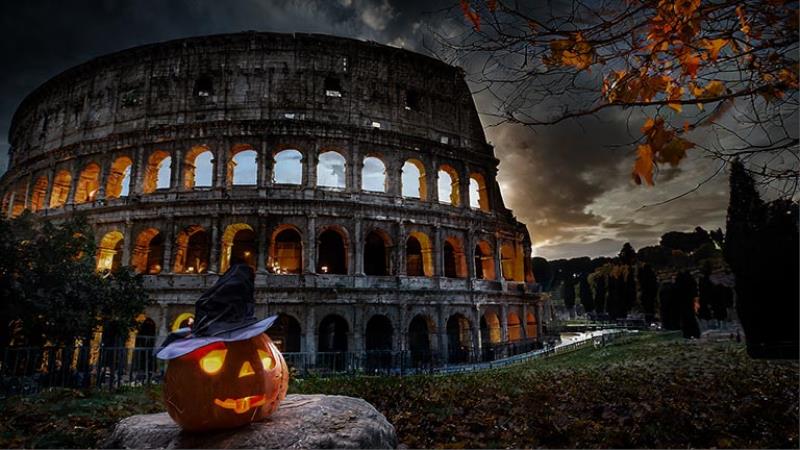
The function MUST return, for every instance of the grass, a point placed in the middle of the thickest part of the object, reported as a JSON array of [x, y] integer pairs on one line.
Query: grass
[[651, 390]]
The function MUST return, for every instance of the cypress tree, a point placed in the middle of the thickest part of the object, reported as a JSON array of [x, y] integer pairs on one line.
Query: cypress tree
[[648, 284], [586, 295]]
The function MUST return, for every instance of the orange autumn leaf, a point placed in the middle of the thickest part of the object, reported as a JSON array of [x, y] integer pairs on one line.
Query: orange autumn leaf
[[674, 151], [675, 93], [714, 88], [574, 52], [714, 46], [492, 4], [643, 167], [471, 14], [690, 62]]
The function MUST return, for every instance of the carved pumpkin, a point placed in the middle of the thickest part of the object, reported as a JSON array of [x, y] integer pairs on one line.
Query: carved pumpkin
[[226, 384]]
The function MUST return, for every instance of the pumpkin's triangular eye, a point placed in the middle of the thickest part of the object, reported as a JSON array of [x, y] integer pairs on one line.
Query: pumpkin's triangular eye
[[266, 360], [212, 362]]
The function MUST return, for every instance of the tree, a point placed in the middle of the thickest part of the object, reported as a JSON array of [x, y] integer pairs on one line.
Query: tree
[[627, 255], [587, 299], [600, 294], [706, 291], [718, 76], [569, 292], [630, 289], [686, 242], [670, 309], [542, 272], [761, 247], [51, 289], [684, 297], [648, 283]]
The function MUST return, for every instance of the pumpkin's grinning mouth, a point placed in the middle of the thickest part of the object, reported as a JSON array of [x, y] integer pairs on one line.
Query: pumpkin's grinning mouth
[[241, 405]]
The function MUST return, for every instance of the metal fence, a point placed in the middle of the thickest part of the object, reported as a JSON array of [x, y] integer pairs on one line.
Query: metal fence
[[26, 371]]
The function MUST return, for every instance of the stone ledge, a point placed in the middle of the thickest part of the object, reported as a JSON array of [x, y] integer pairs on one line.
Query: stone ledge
[[302, 421]]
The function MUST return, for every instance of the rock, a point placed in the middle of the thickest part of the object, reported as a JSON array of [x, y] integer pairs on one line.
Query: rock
[[302, 421]]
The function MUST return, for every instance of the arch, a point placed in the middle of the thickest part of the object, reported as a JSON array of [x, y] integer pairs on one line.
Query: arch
[[119, 178], [286, 250], [184, 320], [332, 252], [419, 255], [38, 193], [88, 184], [333, 333], [459, 339], [286, 334], [243, 166], [511, 262], [530, 326], [413, 181], [373, 175], [288, 168], [148, 253], [378, 339], [331, 170], [109, 251], [6, 203], [455, 264], [376, 253], [448, 185], [61, 186], [198, 167], [514, 327], [491, 332], [420, 332], [158, 172], [192, 250], [484, 261], [18, 198], [238, 244], [478, 196], [146, 333]]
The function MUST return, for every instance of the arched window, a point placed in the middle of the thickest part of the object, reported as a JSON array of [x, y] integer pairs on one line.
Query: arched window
[[287, 251], [193, 247], [448, 185], [38, 193], [158, 172], [454, 261], [376, 254], [286, 334], [243, 167], [420, 331], [332, 253], [88, 184], [61, 186], [373, 176], [413, 182], [238, 245], [288, 167], [484, 261], [511, 262], [331, 170], [333, 331], [109, 252], [478, 198], [379, 333], [419, 255], [198, 168], [514, 327], [119, 178], [148, 254], [459, 339], [18, 199], [490, 328]]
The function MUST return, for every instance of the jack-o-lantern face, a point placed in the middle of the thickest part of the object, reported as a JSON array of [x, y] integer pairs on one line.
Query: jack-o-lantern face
[[226, 384]]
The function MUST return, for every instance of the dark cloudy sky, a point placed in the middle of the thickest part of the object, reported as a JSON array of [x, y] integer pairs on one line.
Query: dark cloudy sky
[[574, 193]]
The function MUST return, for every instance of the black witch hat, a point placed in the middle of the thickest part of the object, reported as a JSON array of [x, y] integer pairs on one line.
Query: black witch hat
[[224, 313]]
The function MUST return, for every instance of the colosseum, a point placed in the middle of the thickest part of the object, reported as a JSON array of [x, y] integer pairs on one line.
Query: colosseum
[[355, 178]]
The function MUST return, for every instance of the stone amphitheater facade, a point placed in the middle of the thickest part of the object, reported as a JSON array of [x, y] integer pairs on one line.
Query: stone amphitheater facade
[[318, 160]]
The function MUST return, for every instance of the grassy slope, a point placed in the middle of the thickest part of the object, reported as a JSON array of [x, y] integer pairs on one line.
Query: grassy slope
[[650, 391]]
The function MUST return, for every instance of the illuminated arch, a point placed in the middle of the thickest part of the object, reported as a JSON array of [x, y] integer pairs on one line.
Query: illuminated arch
[[455, 263], [484, 261], [332, 245], [413, 180], [511, 262], [38, 193], [243, 166], [376, 253], [490, 328], [331, 170], [61, 186], [448, 185], [192, 250], [18, 198], [478, 196], [88, 184], [419, 255], [158, 172], [286, 250], [6, 203], [182, 321], [514, 327], [530, 326], [238, 243], [109, 251], [373, 175], [148, 252], [119, 178], [198, 167], [288, 168]]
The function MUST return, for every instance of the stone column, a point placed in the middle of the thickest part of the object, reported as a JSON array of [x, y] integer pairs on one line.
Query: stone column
[[358, 244], [214, 262], [127, 244], [524, 321], [438, 254], [354, 169], [311, 330], [394, 176], [310, 245], [268, 163], [176, 177], [400, 249], [478, 338], [73, 185], [463, 185], [310, 178], [498, 256], [170, 234], [137, 172], [504, 323], [49, 191], [221, 165], [262, 243], [441, 328], [469, 253], [358, 329], [432, 181], [261, 169], [105, 168]]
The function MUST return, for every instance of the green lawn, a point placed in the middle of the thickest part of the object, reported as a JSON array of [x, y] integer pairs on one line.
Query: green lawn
[[651, 390]]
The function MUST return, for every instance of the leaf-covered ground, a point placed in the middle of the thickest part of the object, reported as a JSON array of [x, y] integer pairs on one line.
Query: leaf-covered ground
[[648, 391]]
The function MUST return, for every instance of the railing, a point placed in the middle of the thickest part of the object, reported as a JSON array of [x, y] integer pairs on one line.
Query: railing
[[26, 371]]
